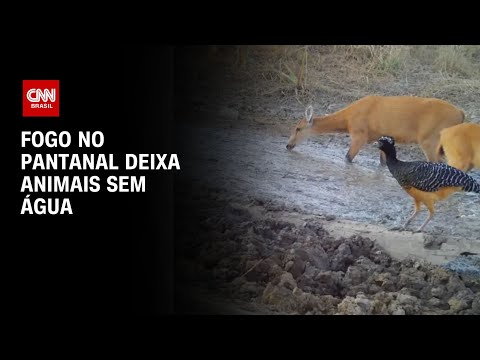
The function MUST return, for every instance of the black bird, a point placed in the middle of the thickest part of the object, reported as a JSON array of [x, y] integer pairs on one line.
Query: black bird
[[426, 182]]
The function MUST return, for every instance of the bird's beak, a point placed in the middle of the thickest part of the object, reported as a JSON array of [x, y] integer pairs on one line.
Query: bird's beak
[[375, 144]]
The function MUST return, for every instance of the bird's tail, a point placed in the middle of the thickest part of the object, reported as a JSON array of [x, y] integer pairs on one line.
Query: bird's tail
[[472, 186]]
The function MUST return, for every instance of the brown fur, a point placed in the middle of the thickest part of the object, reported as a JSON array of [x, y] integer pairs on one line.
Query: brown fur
[[461, 146], [408, 119], [429, 199]]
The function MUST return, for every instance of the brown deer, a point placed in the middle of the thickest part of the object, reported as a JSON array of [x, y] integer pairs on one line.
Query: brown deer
[[408, 119]]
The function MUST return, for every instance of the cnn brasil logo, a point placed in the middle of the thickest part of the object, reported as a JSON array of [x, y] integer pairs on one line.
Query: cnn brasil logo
[[41, 98]]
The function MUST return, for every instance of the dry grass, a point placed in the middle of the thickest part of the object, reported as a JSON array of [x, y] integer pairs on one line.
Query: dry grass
[[458, 60], [387, 59], [310, 73]]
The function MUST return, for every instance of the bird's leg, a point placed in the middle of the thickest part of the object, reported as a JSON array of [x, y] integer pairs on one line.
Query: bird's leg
[[418, 204], [425, 223], [415, 213], [431, 211]]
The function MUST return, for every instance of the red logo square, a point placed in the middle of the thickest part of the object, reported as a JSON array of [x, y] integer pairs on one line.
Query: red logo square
[[41, 98]]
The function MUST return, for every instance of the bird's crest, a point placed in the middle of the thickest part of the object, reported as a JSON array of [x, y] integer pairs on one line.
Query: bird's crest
[[388, 139]]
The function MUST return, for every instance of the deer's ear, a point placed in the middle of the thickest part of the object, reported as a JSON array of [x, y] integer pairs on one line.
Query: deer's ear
[[309, 114]]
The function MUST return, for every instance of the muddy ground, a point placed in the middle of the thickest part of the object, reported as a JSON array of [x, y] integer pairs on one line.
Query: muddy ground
[[315, 179], [268, 231], [263, 230]]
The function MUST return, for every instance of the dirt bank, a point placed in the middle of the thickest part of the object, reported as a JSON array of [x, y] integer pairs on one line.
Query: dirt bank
[[257, 258]]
